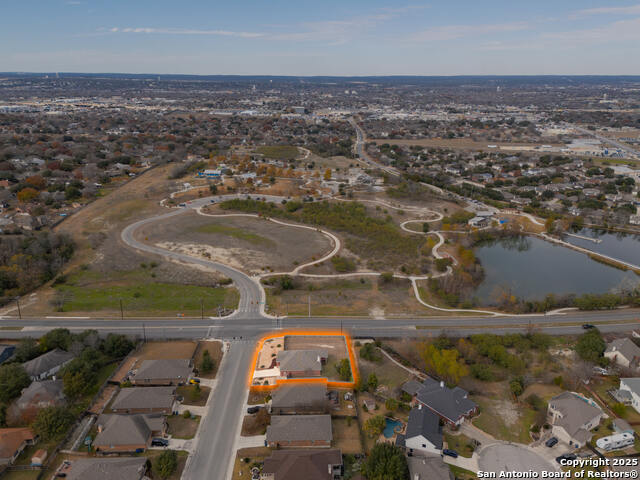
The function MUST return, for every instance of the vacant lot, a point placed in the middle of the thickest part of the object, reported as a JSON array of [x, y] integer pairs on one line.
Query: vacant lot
[[367, 296], [215, 351], [346, 435], [279, 152], [167, 350], [191, 395], [390, 376], [256, 424], [246, 458], [459, 143], [180, 427], [334, 344], [252, 244]]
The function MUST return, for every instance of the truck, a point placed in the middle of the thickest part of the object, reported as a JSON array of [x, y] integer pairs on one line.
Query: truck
[[615, 442]]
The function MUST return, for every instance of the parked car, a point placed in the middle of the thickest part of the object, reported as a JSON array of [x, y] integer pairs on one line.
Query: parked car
[[551, 442], [588, 326], [450, 453], [182, 205], [601, 371], [194, 381], [254, 409], [566, 456], [159, 442]]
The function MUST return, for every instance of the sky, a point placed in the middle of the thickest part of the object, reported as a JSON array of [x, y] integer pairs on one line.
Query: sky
[[328, 37]]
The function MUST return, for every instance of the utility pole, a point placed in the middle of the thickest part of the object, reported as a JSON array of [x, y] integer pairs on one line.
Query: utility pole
[[201, 309], [121, 311], [309, 305], [19, 312], [144, 333]]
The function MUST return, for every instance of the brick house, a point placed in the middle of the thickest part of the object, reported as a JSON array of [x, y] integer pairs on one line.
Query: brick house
[[300, 431]]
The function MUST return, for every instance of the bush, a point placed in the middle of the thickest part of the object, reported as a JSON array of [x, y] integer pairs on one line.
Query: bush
[[342, 264], [207, 364], [186, 414], [167, 463], [370, 352], [619, 409], [482, 372], [386, 461]]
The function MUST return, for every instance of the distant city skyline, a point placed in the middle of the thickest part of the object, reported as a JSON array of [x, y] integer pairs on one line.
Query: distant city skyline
[[376, 37]]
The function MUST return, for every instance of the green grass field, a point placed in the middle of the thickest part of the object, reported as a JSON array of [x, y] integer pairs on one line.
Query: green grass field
[[235, 233], [279, 152], [146, 297]]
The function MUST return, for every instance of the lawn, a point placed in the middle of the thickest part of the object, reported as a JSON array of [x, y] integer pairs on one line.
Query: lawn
[[180, 427], [279, 152], [182, 460], [460, 443], [390, 376], [346, 435], [146, 297], [235, 233], [192, 397]]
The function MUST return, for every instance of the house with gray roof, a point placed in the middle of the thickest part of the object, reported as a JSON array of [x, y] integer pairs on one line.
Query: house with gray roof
[[429, 468], [630, 387], [145, 400], [623, 352], [163, 372], [307, 464], [572, 418], [300, 431], [38, 395], [301, 363], [127, 433], [125, 468], [47, 364], [291, 399], [452, 405], [423, 433]]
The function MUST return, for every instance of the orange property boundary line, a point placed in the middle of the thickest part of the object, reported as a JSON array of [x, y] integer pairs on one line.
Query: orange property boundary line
[[306, 333]]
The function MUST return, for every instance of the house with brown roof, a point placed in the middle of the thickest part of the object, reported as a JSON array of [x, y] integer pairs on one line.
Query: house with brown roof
[[145, 400], [573, 417], [12, 442], [306, 464], [163, 372], [301, 363], [300, 431], [127, 433], [38, 395], [291, 399]]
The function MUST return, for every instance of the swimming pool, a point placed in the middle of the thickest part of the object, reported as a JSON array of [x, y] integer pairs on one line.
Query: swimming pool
[[390, 427]]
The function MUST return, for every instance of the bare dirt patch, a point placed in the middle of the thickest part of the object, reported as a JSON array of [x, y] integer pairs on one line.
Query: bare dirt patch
[[167, 350], [346, 435], [192, 396], [256, 424]]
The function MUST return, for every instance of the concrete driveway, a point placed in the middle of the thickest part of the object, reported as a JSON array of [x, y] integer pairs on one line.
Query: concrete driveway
[[502, 457]]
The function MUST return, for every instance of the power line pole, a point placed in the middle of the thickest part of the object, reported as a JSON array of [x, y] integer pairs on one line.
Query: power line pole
[[201, 309], [144, 333], [19, 311], [121, 311], [309, 305]]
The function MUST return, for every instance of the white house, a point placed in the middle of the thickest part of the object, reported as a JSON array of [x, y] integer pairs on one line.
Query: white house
[[632, 386], [623, 352], [423, 434]]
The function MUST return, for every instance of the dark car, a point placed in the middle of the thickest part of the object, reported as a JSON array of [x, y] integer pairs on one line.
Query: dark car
[[450, 453], [159, 442], [551, 442], [588, 326], [255, 409], [566, 456]]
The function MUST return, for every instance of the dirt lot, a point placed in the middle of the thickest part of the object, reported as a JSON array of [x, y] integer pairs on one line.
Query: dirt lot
[[156, 351], [346, 435], [334, 344], [251, 244], [180, 427], [192, 397], [366, 297], [215, 351], [459, 143], [390, 376], [242, 468], [256, 424]]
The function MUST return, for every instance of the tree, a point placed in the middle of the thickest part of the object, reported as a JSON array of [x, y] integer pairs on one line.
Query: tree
[[56, 338], [344, 369], [27, 194], [369, 352], [52, 422], [425, 227], [13, 378], [386, 462], [207, 365], [117, 346], [444, 363], [591, 346], [26, 350], [372, 381], [327, 174], [375, 425], [213, 189], [391, 404], [517, 386], [167, 463]]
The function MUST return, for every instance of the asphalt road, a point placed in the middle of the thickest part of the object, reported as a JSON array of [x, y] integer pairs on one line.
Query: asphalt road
[[218, 431]]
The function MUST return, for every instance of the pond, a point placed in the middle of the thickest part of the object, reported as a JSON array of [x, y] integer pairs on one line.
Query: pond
[[390, 427], [623, 246], [530, 268]]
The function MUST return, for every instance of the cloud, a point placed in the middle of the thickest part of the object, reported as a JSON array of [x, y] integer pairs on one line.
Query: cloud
[[620, 31], [184, 31], [630, 10], [453, 32]]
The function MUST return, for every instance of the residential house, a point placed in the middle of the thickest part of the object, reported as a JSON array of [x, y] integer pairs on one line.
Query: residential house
[[623, 352], [127, 433], [124, 468], [429, 468], [307, 464], [572, 418], [423, 433], [299, 431], [47, 364], [452, 405], [301, 363], [12, 442], [292, 399], [631, 386], [145, 400], [38, 395], [6, 351], [162, 372]]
